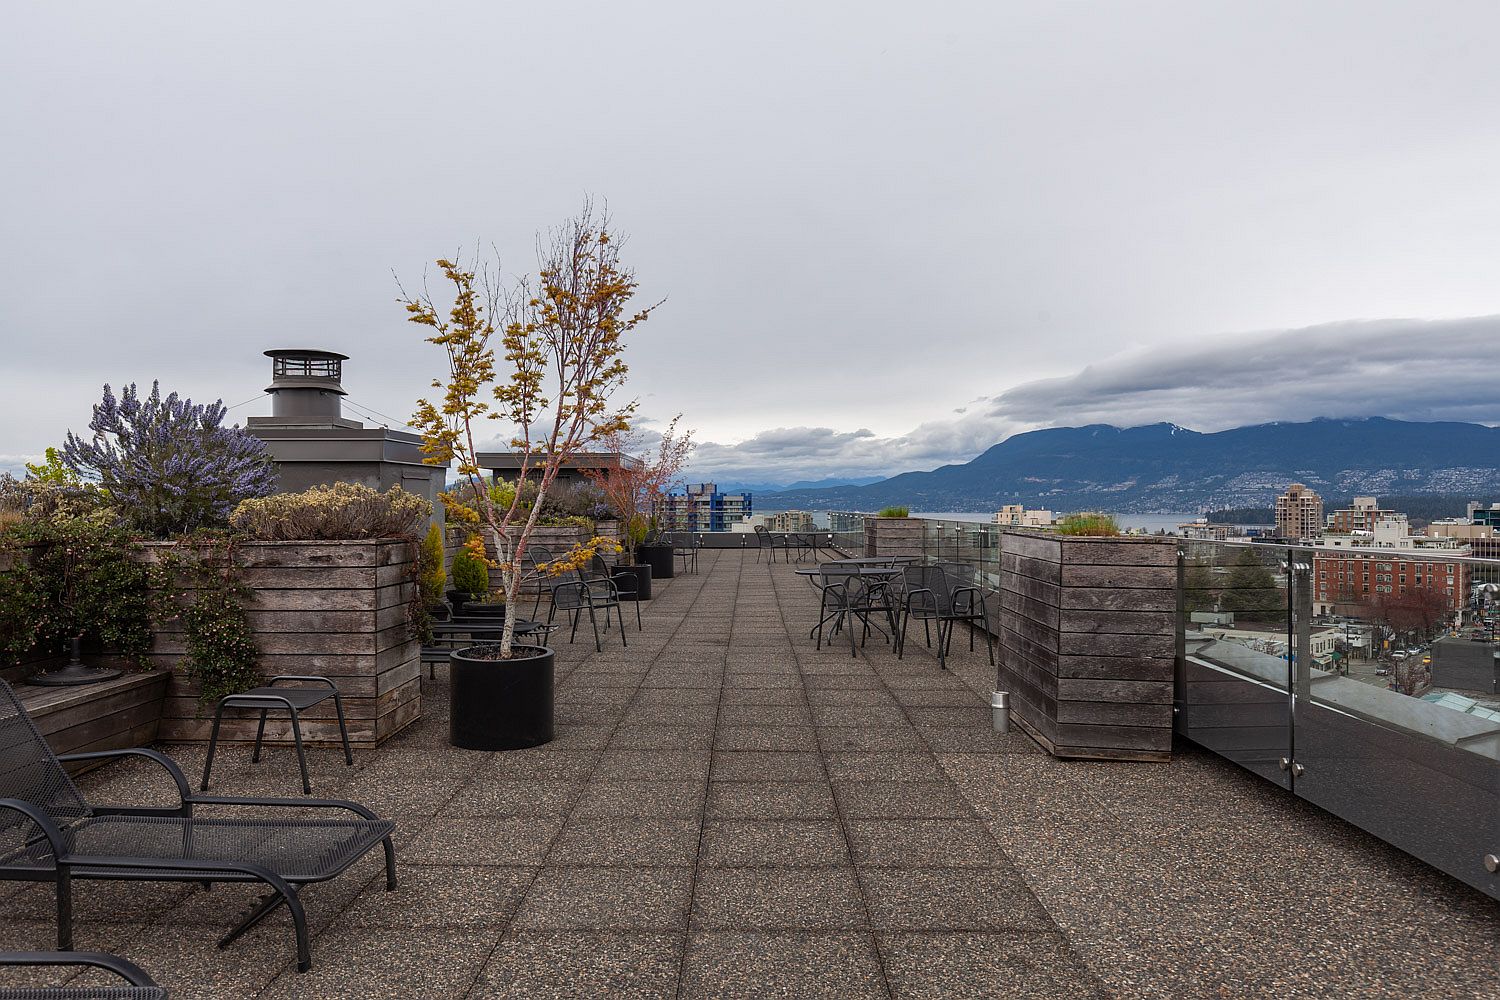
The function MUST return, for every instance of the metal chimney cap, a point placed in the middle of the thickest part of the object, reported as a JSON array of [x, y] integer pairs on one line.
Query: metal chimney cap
[[302, 352]]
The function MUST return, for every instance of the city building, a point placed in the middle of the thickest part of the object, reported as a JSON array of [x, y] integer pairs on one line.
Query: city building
[[1016, 515], [1348, 582], [1299, 513], [703, 508], [314, 444], [504, 466], [1204, 530], [1361, 515], [1480, 514], [792, 520]]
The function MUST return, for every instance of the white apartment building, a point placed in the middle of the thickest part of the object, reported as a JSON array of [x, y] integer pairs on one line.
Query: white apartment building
[[1015, 515]]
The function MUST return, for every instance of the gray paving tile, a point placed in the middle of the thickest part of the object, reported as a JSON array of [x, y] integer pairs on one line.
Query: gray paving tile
[[767, 766], [653, 765], [441, 897], [658, 799], [896, 799], [626, 841], [782, 843], [806, 966], [947, 899], [777, 899], [766, 738], [885, 765], [595, 898], [923, 842], [966, 964], [770, 800], [569, 965]]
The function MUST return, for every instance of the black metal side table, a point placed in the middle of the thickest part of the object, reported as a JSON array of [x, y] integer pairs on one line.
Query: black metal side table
[[293, 700]]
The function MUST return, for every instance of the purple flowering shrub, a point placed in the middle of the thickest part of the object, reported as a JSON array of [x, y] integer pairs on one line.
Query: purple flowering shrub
[[168, 465]]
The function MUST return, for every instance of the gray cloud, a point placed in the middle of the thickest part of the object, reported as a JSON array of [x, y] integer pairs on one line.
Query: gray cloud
[[1406, 369]]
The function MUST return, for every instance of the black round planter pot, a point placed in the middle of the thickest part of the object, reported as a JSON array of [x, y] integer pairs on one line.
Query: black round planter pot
[[458, 598], [484, 609], [501, 704], [642, 574], [659, 558]]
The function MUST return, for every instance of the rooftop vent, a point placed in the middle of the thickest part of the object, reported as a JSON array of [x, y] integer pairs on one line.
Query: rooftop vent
[[306, 383]]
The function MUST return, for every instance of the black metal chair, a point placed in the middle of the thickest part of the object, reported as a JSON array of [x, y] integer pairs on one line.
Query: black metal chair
[[577, 596], [764, 543], [932, 598], [139, 986], [627, 585], [685, 548], [293, 700], [49, 833], [533, 575], [849, 599]]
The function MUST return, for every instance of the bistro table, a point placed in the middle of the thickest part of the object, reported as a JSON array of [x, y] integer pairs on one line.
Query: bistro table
[[863, 568]]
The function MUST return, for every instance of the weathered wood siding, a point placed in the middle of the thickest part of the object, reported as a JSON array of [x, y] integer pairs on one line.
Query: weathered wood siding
[[331, 609], [124, 712], [893, 536], [1088, 640]]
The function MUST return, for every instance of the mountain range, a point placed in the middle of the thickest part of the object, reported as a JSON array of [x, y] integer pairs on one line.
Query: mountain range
[[1164, 468]]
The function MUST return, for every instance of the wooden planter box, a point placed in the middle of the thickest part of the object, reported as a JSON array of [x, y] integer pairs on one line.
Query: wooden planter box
[[1087, 640], [893, 536], [333, 609]]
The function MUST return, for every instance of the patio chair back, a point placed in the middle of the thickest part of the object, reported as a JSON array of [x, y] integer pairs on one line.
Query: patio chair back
[[29, 771], [763, 537], [935, 581], [570, 595]]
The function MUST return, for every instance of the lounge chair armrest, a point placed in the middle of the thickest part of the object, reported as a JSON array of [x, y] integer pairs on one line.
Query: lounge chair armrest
[[41, 820], [302, 677], [183, 788], [233, 800], [128, 971]]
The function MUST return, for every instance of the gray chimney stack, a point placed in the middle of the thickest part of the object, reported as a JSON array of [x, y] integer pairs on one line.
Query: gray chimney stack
[[305, 384]]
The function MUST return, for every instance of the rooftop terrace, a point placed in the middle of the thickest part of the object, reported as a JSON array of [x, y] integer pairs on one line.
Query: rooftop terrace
[[729, 812]]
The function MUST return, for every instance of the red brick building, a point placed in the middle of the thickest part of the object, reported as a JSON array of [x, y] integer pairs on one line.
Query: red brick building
[[1346, 580]]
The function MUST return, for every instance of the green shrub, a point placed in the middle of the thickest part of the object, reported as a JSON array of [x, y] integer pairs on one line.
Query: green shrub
[[895, 512], [470, 576], [430, 575], [337, 512], [1088, 523]]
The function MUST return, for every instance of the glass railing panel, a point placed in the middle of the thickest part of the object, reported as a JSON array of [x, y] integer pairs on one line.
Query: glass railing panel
[[1404, 741], [1233, 687]]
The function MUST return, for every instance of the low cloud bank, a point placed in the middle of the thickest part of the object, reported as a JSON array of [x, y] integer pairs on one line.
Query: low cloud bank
[[1400, 368]]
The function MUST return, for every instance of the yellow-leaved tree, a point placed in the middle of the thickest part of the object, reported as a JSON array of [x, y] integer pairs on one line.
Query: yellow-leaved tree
[[560, 337]]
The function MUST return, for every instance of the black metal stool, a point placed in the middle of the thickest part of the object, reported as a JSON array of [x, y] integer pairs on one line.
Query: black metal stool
[[271, 698]]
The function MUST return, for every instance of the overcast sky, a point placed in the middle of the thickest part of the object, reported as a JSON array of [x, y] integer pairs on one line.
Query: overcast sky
[[890, 233]]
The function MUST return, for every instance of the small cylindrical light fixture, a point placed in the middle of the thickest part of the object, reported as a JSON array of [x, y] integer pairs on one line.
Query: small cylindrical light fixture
[[1000, 711]]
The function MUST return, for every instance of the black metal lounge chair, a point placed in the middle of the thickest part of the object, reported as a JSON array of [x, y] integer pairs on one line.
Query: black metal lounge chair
[[931, 597], [139, 986], [578, 596], [49, 833]]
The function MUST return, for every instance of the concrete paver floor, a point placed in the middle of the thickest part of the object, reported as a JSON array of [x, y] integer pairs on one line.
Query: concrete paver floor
[[728, 812]]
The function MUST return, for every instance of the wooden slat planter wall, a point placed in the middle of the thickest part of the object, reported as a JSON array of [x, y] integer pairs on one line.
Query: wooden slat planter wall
[[1087, 639], [333, 609], [893, 536]]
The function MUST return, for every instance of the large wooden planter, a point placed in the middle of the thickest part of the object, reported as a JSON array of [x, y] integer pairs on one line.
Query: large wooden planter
[[1087, 640], [333, 609], [893, 536]]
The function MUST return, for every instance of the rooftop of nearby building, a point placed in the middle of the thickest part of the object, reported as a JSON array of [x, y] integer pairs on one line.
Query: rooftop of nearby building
[[728, 811]]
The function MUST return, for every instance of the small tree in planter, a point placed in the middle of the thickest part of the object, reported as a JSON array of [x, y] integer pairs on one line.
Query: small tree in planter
[[561, 338]]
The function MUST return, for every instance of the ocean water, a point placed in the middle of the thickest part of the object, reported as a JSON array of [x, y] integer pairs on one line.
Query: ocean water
[[1141, 522]]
